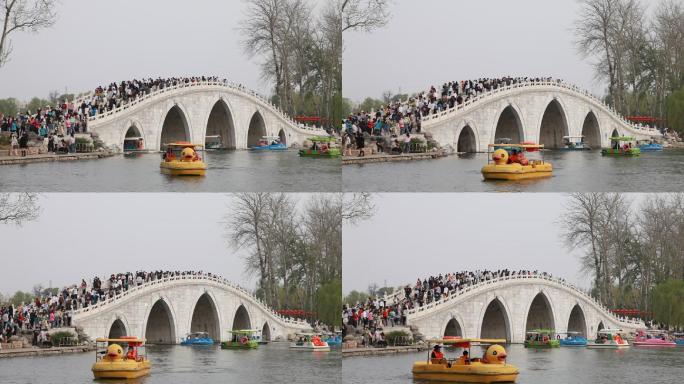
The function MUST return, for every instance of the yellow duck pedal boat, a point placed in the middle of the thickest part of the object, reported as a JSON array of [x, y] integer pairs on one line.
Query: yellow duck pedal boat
[[112, 363], [492, 368], [520, 168], [181, 159]]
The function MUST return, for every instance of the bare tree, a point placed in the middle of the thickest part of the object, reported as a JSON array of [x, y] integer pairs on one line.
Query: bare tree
[[364, 15], [357, 207], [18, 208], [23, 15]]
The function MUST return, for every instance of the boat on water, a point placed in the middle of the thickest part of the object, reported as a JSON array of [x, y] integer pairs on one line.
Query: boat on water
[[198, 338], [133, 144], [333, 339], [622, 146], [608, 339], [120, 358], [213, 142], [321, 146], [678, 338], [491, 368], [241, 339], [181, 159], [652, 338], [508, 162], [573, 339], [575, 143], [269, 143], [258, 338], [309, 342], [650, 146], [541, 338]]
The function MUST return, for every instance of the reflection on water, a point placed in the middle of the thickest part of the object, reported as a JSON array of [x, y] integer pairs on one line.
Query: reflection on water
[[580, 171], [553, 366], [273, 363], [228, 171]]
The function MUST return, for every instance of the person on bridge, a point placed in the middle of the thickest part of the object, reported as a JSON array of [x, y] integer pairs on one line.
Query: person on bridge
[[437, 356]]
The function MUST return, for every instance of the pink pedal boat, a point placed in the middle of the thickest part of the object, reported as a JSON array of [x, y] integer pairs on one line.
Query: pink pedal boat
[[652, 338]]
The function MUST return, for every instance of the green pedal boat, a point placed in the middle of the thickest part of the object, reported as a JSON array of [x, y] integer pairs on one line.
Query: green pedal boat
[[541, 338], [321, 146], [622, 146], [241, 339]]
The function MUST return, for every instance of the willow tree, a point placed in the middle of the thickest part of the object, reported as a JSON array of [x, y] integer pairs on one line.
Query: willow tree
[[23, 15]]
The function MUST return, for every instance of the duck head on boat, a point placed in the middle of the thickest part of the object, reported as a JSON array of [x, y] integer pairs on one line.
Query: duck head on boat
[[113, 362], [181, 159], [491, 368]]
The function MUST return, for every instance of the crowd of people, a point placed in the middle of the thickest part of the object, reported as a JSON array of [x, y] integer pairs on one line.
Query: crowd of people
[[56, 310], [400, 119]]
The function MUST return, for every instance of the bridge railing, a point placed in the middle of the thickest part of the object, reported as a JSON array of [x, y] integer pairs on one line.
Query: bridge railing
[[544, 83], [453, 295], [204, 277], [206, 83]]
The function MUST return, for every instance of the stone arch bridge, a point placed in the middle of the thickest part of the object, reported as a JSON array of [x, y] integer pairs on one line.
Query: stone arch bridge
[[507, 307], [193, 111], [536, 111], [165, 310]]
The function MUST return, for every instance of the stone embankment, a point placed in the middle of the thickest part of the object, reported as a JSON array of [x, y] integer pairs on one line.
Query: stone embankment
[[35, 351], [48, 157], [384, 157]]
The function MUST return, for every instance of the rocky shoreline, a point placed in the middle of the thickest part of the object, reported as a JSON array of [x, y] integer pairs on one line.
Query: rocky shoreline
[[49, 157]]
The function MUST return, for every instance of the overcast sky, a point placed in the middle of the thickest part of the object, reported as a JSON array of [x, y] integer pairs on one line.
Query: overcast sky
[[430, 42], [84, 235], [96, 42], [419, 235]]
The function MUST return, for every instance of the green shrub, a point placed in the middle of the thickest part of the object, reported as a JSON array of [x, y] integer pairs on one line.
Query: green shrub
[[58, 337], [398, 338]]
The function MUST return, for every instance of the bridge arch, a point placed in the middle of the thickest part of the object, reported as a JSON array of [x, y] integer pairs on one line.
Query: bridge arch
[[220, 122], [205, 317], [577, 321], [467, 140], [600, 326], [175, 126], [615, 133], [266, 332], [160, 324], [118, 328], [509, 125], [591, 130], [453, 328], [242, 320], [553, 125], [131, 133], [283, 136], [257, 129], [495, 321], [540, 313]]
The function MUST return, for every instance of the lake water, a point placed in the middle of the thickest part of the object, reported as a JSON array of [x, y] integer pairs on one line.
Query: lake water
[[273, 363], [556, 366], [228, 171], [574, 171]]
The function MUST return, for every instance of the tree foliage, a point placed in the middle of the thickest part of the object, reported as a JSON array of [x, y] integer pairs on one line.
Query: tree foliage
[[626, 250], [294, 248], [300, 51], [23, 15], [667, 301], [641, 55]]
